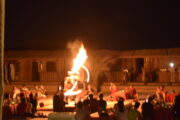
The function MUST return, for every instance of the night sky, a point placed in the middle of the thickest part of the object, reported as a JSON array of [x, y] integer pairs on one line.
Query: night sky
[[100, 24]]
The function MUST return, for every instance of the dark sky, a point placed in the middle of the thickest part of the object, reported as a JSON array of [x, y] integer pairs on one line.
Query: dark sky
[[100, 24]]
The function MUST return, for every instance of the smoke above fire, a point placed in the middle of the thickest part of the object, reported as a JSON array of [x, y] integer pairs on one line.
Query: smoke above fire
[[74, 46]]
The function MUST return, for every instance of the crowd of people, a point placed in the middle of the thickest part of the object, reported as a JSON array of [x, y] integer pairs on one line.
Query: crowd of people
[[153, 108], [128, 93], [22, 102], [149, 110]]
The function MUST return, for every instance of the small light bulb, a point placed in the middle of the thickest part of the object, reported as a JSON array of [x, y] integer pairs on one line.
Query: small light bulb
[[171, 64]]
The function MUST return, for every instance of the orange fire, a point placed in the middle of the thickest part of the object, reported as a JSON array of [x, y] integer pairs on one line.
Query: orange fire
[[79, 60], [74, 74]]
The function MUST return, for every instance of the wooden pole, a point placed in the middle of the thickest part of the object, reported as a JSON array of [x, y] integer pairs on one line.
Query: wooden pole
[[2, 21]]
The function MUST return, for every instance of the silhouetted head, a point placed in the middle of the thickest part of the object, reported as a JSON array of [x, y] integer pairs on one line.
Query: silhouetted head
[[137, 104], [90, 96], [23, 100], [177, 99], [101, 96], [22, 95], [6, 96], [79, 105], [120, 104], [30, 95]]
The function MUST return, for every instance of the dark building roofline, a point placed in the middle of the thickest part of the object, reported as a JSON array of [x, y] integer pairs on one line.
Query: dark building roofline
[[175, 52]]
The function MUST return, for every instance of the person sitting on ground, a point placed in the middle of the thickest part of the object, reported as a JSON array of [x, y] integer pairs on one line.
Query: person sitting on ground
[[113, 91], [176, 107], [121, 112], [22, 107], [102, 105], [161, 93], [133, 113], [43, 91], [25, 90], [93, 104], [171, 96], [7, 100], [36, 89], [33, 100], [58, 101], [29, 109], [82, 113], [132, 92], [15, 92], [7, 112], [148, 109]]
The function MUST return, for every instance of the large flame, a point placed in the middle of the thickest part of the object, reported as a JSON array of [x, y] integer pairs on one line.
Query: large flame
[[79, 60], [78, 63]]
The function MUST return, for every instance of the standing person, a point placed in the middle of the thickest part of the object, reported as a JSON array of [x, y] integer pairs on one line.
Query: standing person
[[125, 75], [133, 113], [143, 74], [172, 71]]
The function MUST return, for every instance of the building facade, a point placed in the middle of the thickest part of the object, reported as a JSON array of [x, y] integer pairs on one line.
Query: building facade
[[154, 65]]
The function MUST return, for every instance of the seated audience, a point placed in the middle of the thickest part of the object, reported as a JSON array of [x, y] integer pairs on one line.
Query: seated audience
[[15, 92], [42, 91], [163, 112], [176, 107], [25, 90], [29, 109], [121, 112], [22, 107], [58, 101], [161, 93], [171, 96], [113, 91], [7, 100], [132, 92], [133, 113], [148, 110], [93, 103], [7, 111], [33, 100], [82, 112], [102, 105]]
